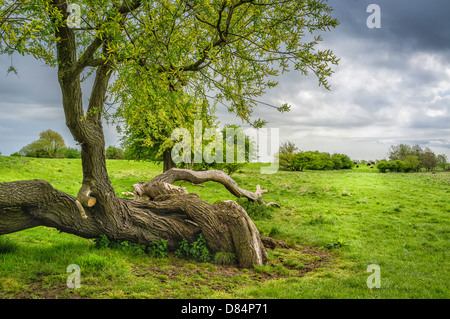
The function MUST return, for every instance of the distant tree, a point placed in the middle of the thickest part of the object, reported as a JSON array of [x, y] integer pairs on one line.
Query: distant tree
[[287, 155], [55, 140], [287, 161], [313, 160], [288, 147], [46, 146], [68, 152], [341, 161], [151, 116], [39, 148], [337, 161], [237, 150], [247, 154], [399, 152], [429, 160], [113, 152], [414, 161], [303, 160], [442, 161]]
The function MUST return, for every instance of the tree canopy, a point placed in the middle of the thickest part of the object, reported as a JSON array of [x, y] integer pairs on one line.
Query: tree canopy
[[47, 145], [227, 50]]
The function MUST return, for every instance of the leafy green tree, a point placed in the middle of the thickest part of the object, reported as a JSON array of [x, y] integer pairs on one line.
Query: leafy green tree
[[68, 152], [344, 159], [288, 147], [55, 140], [303, 160], [241, 153], [229, 51], [48, 144], [429, 159], [399, 152], [442, 161], [287, 155], [38, 148], [414, 161], [287, 161], [150, 117], [113, 152]]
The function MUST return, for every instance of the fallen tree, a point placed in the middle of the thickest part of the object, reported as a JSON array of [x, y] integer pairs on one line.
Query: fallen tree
[[158, 211]]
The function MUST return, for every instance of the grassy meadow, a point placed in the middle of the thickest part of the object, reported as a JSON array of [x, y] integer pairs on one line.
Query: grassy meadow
[[337, 222]]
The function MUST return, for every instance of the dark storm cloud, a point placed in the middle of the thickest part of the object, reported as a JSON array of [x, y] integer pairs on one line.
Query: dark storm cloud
[[405, 24]]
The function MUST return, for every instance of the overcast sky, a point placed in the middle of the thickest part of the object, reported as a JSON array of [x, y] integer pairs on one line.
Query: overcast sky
[[392, 85]]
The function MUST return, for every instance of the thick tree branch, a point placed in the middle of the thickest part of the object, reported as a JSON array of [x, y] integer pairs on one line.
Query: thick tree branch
[[173, 217], [86, 58], [199, 177]]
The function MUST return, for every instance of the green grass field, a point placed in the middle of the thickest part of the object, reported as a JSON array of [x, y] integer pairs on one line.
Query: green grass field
[[339, 221]]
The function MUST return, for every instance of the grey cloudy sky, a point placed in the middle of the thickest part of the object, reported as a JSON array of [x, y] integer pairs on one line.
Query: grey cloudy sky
[[392, 86]]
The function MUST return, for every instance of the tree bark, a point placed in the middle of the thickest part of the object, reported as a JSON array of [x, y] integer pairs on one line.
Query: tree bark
[[173, 217], [167, 160], [199, 177]]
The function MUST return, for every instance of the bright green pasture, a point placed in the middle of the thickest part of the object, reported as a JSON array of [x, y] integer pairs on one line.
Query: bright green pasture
[[339, 221]]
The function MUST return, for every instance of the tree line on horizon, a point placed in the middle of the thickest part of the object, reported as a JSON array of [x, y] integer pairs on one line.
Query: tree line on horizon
[[290, 158], [52, 145], [401, 157], [411, 158]]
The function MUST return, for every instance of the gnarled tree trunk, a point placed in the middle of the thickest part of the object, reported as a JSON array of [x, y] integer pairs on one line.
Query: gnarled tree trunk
[[173, 216]]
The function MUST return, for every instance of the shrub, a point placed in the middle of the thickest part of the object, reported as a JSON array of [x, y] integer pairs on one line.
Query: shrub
[[382, 166], [317, 161], [39, 148], [68, 152], [287, 161], [394, 166], [302, 160], [255, 210], [197, 250], [346, 161], [113, 152], [157, 249]]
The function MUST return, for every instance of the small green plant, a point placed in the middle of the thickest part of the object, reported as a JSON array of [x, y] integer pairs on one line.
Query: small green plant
[[197, 250], [183, 249], [157, 249], [255, 210], [102, 242], [339, 243]]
